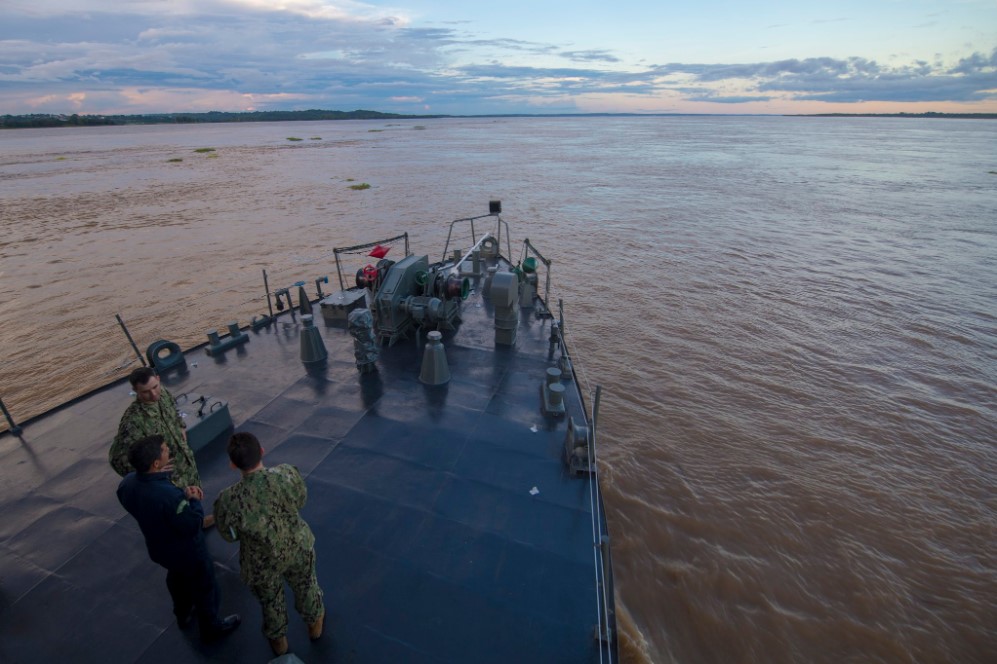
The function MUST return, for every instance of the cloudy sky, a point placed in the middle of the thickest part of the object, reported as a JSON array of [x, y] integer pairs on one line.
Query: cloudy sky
[[511, 56]]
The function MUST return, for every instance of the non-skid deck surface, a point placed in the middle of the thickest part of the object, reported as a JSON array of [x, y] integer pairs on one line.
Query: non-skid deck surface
[[431, 546]]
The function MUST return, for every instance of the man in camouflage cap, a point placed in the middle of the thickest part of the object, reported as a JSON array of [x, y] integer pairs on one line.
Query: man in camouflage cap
[[154, 411], [275, 543]]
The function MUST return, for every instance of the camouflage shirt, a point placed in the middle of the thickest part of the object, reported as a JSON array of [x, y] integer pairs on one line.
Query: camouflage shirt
[[145, 419], [261, 512]]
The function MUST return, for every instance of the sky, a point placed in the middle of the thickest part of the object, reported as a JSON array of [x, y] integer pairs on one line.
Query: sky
[[471, 57]]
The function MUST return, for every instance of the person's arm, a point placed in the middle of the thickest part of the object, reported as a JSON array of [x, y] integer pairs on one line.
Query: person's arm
[[223, 520], [118, 456], [170, 407], [188, 515], [128, 432], [297, 490]]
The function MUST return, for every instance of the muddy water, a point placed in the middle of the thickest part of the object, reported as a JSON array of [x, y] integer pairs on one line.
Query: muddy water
[[793, 321]]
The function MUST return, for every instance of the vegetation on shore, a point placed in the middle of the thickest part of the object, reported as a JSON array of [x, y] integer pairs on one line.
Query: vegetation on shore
[[75, 120], [965, 116]]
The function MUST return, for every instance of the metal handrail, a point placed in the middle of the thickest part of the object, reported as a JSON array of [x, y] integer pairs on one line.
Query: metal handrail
[[600, 537], [527, 245], [470, 252], [474, 240], [358, 247]]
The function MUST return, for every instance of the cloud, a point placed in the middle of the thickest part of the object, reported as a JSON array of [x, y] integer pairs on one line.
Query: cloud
[[977, 63], [329, 10], [718, 99], [285, 54], [590, 56], [850, 80], [340, 10]]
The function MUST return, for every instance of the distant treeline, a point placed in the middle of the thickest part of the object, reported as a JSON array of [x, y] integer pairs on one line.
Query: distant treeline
[[965, 116], [74, 120], [47, 120]]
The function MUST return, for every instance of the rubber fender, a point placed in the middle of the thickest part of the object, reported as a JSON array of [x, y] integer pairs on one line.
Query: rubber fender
[[164, 355]]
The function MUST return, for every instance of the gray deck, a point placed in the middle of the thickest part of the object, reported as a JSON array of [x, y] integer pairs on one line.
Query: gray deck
[[430, 546]]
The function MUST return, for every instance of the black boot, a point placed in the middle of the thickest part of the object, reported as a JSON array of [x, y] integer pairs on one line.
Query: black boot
[[221, 628]]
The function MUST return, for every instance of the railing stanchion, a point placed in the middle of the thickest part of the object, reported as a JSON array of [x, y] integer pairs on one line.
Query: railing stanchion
[[130, 340], [266, 287], [14, 429]]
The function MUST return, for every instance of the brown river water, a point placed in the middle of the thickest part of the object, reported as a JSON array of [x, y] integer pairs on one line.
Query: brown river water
[[793, 321]]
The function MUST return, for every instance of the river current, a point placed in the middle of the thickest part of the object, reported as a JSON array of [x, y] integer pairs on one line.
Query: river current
[[793, 322]]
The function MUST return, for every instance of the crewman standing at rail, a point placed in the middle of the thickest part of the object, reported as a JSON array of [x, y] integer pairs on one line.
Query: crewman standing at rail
[[261, 512], [154, 411]]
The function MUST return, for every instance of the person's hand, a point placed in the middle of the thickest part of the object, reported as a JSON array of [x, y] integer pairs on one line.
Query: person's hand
[[194, 493], [168, 468]]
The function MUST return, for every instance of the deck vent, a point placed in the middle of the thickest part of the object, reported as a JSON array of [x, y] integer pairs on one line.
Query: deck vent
[[304, 304], [435, 370], [313, 350], [505, 297]]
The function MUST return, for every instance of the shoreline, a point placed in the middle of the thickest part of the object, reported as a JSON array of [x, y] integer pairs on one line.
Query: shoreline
[[40, 120]]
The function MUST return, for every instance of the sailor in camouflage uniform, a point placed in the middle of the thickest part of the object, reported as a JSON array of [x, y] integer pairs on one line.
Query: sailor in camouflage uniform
[[154, 411], [275, 543]]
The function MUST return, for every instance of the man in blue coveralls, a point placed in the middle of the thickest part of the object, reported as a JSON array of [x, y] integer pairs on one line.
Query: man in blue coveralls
[[171, 520]]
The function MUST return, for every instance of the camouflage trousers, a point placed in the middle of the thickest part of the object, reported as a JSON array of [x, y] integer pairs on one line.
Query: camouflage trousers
[[300, 575]]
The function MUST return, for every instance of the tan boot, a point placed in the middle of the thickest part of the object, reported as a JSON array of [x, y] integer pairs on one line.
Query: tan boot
[[279, 646], [315, 629]]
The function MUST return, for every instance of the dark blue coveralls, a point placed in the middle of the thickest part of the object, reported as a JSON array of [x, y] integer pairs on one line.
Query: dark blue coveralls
[[171, 525]]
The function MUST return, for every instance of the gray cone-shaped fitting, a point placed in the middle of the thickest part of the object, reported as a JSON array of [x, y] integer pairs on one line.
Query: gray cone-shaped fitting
[[304, 305], [435, 370], [312, 347]]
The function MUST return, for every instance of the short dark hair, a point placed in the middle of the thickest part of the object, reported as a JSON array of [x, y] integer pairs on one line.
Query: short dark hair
[[244, 450], [141, 376], [144, 451]]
